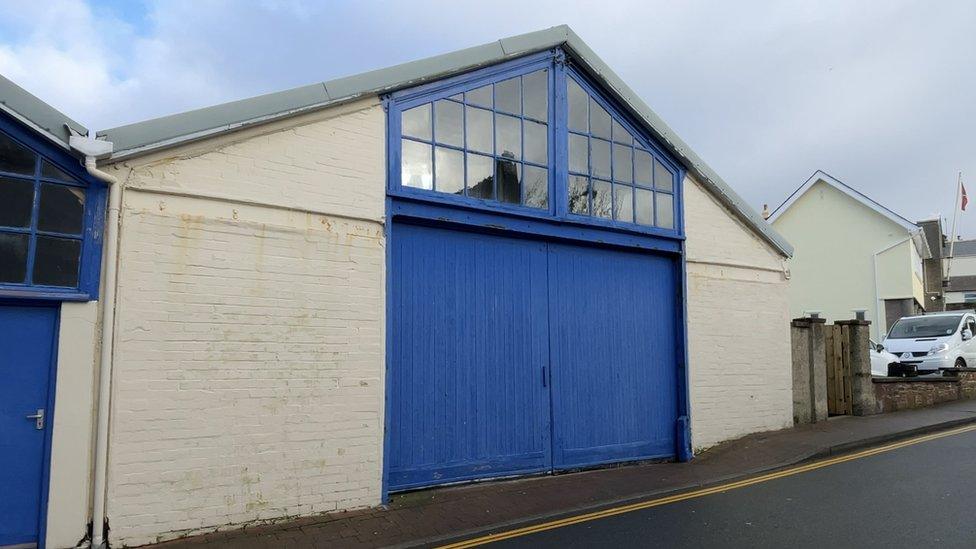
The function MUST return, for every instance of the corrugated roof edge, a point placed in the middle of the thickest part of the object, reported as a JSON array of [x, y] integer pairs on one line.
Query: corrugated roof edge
[[151, 135], [35, 113]]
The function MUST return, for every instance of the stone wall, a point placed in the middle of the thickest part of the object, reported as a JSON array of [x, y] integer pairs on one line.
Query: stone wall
[[894, 394]]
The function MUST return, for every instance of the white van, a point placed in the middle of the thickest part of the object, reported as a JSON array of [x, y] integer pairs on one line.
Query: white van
[[928, 342]]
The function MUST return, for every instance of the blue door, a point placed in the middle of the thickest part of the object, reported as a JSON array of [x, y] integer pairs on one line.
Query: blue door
[[511, 356], [613, 344], [469, 352], [27, 342]]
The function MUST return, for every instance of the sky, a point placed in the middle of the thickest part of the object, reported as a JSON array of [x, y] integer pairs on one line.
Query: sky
[[881, 95]]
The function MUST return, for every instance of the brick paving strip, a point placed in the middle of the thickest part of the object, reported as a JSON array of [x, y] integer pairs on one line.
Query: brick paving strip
[[430, 517]]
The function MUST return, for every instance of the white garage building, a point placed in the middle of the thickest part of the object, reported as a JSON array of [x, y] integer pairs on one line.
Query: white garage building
[[492, 262]]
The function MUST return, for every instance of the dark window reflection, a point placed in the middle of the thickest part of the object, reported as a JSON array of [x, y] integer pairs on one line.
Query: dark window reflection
[[62, 209], [16, 202], [509, 181], [56, 261], [13, 257], [15, 158]]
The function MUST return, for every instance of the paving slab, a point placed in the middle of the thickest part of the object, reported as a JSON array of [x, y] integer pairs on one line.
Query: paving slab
[[439, 515]]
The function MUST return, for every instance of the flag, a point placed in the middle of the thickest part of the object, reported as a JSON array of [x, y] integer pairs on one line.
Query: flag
[[965, 199]]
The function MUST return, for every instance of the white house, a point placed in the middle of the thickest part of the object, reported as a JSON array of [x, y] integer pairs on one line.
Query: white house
[[493, 262], [852, 254]]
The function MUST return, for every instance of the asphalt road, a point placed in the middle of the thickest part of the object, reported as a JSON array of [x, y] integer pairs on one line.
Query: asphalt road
[[923, 495]]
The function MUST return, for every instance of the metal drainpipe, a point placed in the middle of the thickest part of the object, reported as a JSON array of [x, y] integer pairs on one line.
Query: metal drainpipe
[[109, 268]]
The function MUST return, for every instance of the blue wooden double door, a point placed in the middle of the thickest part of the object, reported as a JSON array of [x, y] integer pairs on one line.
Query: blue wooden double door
[[512, 356], [27, 351]]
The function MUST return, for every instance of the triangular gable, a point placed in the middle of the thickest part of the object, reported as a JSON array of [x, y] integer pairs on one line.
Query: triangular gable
[[820, 175]]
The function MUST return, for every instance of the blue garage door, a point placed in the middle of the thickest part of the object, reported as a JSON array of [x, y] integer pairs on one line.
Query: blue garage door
[[26, 352], [512, 356]]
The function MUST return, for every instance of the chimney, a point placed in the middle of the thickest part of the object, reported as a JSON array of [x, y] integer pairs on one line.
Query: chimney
[[765, 212]]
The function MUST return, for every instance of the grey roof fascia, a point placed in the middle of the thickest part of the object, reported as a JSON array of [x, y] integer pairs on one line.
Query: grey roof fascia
[[38, 115], [150, 135]]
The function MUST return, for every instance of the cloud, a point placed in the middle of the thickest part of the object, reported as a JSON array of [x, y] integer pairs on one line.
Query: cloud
[[875, 93]]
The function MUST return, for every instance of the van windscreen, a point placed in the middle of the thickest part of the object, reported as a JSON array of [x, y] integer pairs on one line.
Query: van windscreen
[[925, 326]]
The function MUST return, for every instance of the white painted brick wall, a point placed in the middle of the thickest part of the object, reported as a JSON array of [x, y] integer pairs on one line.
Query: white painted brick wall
[[249, 359], [738, 326]]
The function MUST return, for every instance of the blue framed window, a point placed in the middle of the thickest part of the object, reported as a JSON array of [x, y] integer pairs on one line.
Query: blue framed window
[[612, 174], [49, 246], [489, 143], [532, 137]]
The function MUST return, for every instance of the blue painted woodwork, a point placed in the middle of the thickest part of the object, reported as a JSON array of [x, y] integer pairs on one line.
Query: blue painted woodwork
[[469, 347], [612, 342], [94, 217], [594, 378], [559, 66], [482, 322], [27, 356]]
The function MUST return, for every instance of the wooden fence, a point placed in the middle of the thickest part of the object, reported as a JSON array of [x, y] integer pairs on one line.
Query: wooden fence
[[836, 342]]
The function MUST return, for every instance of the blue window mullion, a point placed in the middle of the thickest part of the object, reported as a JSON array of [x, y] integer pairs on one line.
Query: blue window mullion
[[558, 142], [35, 208], [433, 146], [521, 140]]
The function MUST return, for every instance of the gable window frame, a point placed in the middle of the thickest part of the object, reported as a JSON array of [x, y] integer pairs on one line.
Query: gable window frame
[[560, 67], [92, 217]]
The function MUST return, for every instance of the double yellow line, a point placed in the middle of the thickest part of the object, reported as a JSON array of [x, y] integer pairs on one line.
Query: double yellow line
[[702, 492]]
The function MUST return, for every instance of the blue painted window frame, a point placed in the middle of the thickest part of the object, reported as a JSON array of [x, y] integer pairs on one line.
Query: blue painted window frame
[[93, 217], [560, 68]]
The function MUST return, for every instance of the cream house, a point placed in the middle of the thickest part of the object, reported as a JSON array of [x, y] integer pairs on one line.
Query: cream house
[[852, 253], [493, 262]]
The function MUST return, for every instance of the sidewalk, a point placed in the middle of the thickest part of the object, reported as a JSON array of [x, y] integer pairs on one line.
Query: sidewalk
[[432, 516]]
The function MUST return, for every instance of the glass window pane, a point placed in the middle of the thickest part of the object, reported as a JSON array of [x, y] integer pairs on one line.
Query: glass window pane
[[509, 175], [623, 203], [536, 183], [600, 158], [14, 157], [481, 180], [578, 154], [508, 137], [13, 257], [16, 202], [416, 166], [54, 172], [536, 142], [665, 210], [535, 95], [623, 164], [645, 207], [579, 200], [643, 163], [508, 96], [602, 199], [663, 178], [448, 123], [621, 135], [56, 261], [449, 166], [480, 97], [479, 130], [599, 120], [415, 122], [62, 209], [578, 100]]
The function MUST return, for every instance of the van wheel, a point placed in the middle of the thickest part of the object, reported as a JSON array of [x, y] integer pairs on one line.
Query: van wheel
[[960, 363]]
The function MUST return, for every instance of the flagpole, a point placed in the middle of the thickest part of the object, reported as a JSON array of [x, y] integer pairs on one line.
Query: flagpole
[[955, 216]]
